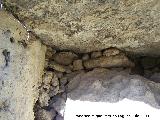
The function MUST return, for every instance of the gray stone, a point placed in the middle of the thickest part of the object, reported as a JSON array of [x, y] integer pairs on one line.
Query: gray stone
[[54, 91], [96, 54], [63, 81], [59, 117], [77, 65], [155, 77], [93, 25], [108, 62], [64, 58], [59, 74], [148, 73], [58, 103], [113, 86]]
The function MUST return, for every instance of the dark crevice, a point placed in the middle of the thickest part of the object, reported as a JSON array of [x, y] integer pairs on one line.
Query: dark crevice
[[6, 54], [12, 40], [23, 43]]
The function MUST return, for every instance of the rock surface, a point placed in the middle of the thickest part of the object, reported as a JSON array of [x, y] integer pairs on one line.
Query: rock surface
[[85, 57], [21, 69], [77, 65], [111, 52], [58, 103], [112, 86], [50, 84], [93, 25], [58, 67], [45, 115], [96, 54], [64, 58], [108, 62]]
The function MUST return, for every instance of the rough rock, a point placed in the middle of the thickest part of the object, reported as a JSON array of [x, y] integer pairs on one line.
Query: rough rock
[[45, 115], [54, 81], [47, 78], [93, 25], [155, 77], [21, 70], [50, 52], [113, 86], [63, 81], [111, 51], [43, 98], [64, 58], [12, 29], [59, 117], [96, 54], [59, 74], [58, 103], [49, 88], [54, 91], [78, 65], [58, 67], [73, 74], [147, 73], [108, 62]]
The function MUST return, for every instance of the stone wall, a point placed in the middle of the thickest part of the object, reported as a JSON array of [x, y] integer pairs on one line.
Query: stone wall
[[21, 69], [84, 41], [77, 75]]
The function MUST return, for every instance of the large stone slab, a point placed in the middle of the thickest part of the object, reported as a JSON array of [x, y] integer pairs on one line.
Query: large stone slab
[[21, 69], [101, 85], [91, 25]]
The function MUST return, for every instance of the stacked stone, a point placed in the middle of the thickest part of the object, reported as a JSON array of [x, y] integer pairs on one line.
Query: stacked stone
[[61, 66], [67, 62]]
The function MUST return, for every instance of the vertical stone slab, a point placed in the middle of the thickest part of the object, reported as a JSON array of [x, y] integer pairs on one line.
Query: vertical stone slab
[[21, 69]]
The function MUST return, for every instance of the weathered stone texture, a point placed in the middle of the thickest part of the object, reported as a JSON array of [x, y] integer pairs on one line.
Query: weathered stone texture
[[78, 65], [45, 115], [64, 58], [108, 62], [113, 86], [21, 68], [92, 25]]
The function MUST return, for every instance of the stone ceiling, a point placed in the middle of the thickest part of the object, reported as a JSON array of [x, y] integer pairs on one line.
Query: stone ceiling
[[91, 25]]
